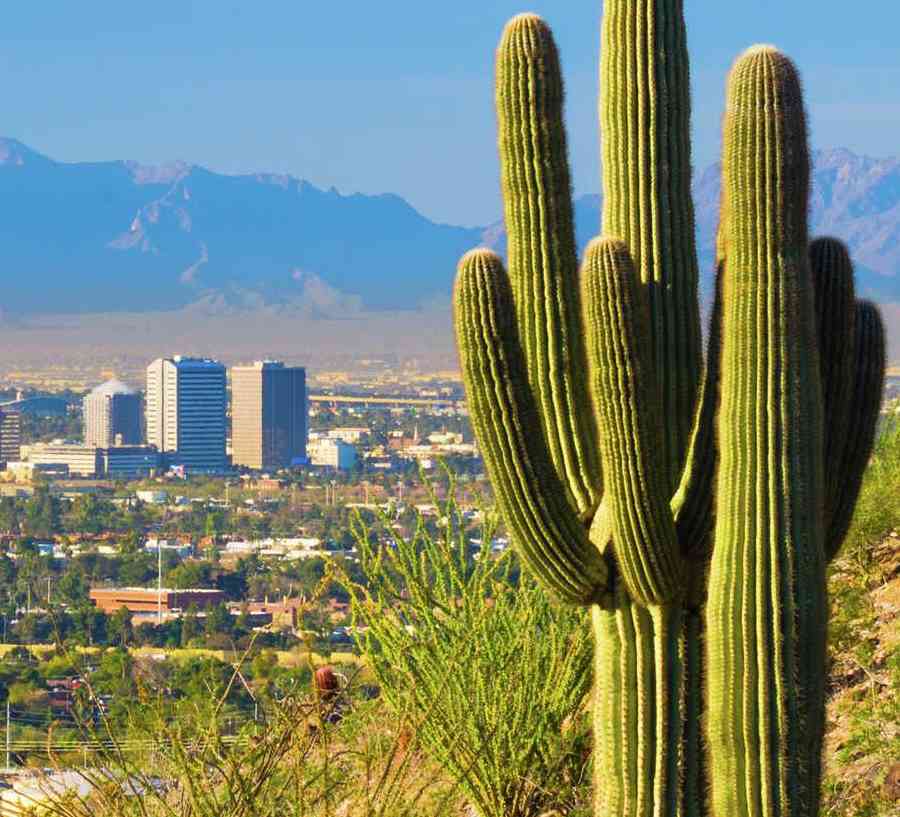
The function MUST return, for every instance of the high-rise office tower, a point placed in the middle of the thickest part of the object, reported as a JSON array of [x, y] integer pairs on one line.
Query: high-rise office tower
[[185, 405], [10, 436], [112, 416], [268, 415]]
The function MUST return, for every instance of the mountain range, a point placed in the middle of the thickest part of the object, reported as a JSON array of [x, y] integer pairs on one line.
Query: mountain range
[[125, 237]]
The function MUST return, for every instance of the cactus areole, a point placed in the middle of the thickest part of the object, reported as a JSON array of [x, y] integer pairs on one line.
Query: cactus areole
[[692, 502]]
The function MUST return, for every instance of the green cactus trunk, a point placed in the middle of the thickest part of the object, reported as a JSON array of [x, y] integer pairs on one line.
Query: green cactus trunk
[[766, 609], [692, 505]]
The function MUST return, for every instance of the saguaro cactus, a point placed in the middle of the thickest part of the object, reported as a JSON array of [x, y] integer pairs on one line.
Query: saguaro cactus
[[566, 373]]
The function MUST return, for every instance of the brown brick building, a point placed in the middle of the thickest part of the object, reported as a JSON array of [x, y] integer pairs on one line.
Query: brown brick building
[[147, 600]]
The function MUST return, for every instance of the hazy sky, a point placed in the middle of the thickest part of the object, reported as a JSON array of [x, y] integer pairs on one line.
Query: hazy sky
[[394, 95]]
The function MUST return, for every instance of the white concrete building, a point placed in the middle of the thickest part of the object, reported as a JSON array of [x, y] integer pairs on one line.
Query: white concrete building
[[185, 407], [330, 453]]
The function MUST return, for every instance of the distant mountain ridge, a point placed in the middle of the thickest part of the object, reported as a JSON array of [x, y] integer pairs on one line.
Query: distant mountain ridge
[[854, 198], [122, 236]]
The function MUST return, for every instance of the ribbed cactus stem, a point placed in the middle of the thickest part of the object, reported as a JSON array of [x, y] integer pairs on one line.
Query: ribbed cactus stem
[[617, 319], [543, 259], [550, 535], [645, 128], [765, 613], [832, 272], [692, 504], [864, 392], [639, 723]]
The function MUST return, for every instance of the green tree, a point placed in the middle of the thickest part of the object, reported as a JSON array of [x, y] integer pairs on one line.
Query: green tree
[[189, 575], [120, 630], [218, 620], [9, 515], [89, 625], [190, 625], [130, 542], [137, 569], [72, 586], [42, 514]]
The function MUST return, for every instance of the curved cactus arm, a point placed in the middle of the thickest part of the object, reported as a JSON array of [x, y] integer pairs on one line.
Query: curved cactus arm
[[832, 272], [543, 257], [547, 531], [766, 607], [645, 111], [865, 395], [617, 320]]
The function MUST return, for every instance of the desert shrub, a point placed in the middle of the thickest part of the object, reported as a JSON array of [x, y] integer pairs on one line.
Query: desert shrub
[[199, 760], [495, 674]]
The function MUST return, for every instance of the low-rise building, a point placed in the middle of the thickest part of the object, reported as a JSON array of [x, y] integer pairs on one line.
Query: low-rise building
[[149, 600], [153, 497], [330, 453], [348, 435], [176, 546], [130, 461], [79, 460], [118, 462]]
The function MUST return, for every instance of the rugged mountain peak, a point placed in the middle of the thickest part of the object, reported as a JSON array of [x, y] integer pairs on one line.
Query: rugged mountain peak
[[15, 154], [167, 173]]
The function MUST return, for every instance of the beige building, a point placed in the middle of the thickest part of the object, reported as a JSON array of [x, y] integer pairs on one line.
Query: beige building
[[112, 416], [77, 460], [268, 415]]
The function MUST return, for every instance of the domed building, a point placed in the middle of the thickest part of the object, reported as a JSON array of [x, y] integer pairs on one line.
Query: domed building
[[112, 416]]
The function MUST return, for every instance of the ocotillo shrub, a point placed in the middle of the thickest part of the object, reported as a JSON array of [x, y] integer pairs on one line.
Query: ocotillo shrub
[[494, 677]]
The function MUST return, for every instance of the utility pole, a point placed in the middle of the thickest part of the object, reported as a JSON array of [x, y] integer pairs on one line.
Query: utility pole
[[49, 579], [159, 583], [8, 736]]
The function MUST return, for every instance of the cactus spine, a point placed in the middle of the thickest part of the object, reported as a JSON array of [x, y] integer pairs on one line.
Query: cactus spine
[[702, 547]]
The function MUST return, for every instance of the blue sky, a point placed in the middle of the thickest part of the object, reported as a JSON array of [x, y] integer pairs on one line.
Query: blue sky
[[395, 95]]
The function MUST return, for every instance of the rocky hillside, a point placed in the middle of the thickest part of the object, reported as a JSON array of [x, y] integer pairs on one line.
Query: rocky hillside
[[862, 749]]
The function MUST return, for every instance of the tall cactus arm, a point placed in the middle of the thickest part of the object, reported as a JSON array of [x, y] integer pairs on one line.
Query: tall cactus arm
[[549, 534], [543, 260], [865, 396], [766, 606], [832, 273], [693, 503], [624, 386], [645, 125]]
